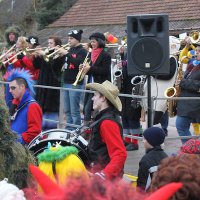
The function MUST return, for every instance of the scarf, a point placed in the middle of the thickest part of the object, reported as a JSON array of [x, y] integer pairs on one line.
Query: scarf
[[95, 54]]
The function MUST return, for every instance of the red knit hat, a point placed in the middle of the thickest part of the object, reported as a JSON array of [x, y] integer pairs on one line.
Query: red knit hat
[[192, 146]]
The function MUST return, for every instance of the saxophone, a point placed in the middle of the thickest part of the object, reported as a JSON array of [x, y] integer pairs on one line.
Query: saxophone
[[117, 72], [138, 89], [174, 92]]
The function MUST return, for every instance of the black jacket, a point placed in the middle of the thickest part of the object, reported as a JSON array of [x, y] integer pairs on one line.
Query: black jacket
[[50, 75], [152, 158], [190, 86], [74, 58], [128, 111], [97, 150], [100, 70]]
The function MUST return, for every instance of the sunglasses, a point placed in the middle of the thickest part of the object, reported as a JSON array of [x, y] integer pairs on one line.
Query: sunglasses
[[73, 32], [12, 87]]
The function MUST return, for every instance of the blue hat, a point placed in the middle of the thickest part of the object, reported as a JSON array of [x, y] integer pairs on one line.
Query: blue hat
[[155, 136]]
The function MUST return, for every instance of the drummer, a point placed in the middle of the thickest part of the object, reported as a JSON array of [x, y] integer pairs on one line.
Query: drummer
[[106, 149]]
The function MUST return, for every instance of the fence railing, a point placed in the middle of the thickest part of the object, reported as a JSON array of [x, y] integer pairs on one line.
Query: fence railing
[[60, 123]]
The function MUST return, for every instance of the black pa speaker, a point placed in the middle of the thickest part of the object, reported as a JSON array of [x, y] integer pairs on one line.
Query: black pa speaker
[[148, 44]]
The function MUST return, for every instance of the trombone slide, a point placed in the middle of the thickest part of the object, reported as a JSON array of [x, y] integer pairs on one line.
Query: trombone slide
[[2, 56], [11, 58]]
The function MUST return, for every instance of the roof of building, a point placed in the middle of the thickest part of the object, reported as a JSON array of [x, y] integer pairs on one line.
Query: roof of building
[[90, 12], [111, 16]]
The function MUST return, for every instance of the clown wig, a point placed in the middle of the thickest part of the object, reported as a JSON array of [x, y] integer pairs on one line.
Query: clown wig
[[21, 74]]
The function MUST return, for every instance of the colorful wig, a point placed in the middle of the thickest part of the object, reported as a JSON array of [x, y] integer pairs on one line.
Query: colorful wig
[[95, 189], [184, 168], [59, 163], [21, 73]]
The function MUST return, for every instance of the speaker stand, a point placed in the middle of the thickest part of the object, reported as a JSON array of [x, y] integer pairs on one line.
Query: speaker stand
[[149, 103]]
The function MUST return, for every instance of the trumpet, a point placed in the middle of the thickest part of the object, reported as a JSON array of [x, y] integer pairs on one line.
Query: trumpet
[[116, 45], [81, 74], [46, 57], [7, 52]]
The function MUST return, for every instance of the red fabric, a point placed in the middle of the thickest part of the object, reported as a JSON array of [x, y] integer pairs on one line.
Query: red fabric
[[127, 139], [48, 186], [132, 141], [27, 63], [16, 101], [165, 192], [71, 66], [192, 146], [95, 54], [34, 117], [110, 133]]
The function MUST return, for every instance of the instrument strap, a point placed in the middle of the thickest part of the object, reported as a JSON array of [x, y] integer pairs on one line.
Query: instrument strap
[[15, 114], [54, 168]]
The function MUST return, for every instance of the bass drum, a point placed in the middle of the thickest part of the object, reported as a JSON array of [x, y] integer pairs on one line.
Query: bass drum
[[58, 136]]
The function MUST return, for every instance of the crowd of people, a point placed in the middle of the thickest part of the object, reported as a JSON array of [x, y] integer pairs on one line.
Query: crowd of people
[[111, 119]]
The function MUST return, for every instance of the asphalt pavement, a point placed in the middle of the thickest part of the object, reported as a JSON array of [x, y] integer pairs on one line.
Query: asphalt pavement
[[171, 146]]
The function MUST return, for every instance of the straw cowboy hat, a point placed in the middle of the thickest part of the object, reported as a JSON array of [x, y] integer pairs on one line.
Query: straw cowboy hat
[[108, 90]]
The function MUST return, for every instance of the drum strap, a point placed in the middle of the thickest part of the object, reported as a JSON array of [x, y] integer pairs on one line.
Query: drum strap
[[54, 168]]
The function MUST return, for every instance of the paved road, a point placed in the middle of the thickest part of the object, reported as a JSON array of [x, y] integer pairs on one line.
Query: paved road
[[170, 146]]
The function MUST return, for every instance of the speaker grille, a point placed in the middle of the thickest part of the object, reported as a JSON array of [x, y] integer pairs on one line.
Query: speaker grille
[[147, 54]]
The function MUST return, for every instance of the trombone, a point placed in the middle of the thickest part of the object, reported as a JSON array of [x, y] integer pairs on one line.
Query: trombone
[[11, 58], [81, 74], [7, 52]]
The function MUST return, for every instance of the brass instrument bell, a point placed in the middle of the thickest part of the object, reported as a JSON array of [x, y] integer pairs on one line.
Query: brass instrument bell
[[194, 36], [170, 92]]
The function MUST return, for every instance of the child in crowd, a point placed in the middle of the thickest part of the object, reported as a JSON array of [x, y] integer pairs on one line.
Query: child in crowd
[[153, 138]]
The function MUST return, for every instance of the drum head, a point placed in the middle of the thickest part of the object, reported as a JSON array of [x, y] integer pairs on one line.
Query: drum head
[[56, 136]]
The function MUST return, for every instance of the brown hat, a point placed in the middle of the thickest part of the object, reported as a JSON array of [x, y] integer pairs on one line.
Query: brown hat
[[108, 90]]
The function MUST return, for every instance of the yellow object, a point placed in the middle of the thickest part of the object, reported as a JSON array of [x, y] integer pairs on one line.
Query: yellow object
[[132, 179], [61, 163], [196, 127]]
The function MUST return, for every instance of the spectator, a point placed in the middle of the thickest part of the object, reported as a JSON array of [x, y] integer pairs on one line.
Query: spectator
[[192, 146], [185, 169], [153, 138]]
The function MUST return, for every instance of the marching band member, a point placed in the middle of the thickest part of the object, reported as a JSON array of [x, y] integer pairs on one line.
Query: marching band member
[[98, 71], [74, 57], [20, 60], [163, 81], [11, 35], [188, 110], [50, 75], [130, 114], [187, 56]]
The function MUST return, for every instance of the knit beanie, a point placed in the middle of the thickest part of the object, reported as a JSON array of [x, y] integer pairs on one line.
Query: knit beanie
[[76, 34], [98, 35], [192, 146], [155, 136], [33, 40]]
